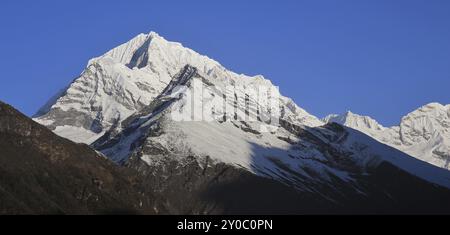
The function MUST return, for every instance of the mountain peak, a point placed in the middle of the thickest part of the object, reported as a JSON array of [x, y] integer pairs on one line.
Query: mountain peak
[[434, 105], [351, 114], [429, 111], [154, 37], [128, 78], [153, 34], [353, 120]]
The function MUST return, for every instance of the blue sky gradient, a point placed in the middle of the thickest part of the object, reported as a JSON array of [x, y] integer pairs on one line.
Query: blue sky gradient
[[381, 58]]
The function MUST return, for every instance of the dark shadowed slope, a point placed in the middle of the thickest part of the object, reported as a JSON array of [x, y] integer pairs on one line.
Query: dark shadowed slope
[[41, 173], [200, 186]]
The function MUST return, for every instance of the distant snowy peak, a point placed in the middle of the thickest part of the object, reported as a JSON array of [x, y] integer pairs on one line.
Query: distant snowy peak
[[354, 121], [423, 133], [425, 123], [128, 78]]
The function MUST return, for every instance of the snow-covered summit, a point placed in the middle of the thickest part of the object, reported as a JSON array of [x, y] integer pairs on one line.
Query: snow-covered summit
[[424, 123], [128, 78]]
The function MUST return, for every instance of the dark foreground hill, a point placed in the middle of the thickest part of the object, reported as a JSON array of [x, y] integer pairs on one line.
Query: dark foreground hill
[[41, 173]]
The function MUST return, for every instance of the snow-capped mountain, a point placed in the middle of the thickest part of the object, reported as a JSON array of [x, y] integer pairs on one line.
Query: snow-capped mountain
[[299, 155], [423, 133], [126, 79], [184, 122]]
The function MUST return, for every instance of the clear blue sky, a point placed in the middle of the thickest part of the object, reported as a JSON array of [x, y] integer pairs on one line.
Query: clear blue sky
[[374, 57]]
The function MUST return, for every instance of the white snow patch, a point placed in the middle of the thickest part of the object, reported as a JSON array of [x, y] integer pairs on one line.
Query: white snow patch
[[77, 134]]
